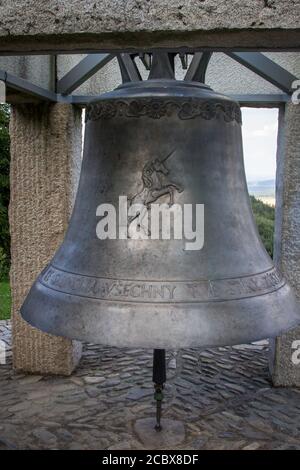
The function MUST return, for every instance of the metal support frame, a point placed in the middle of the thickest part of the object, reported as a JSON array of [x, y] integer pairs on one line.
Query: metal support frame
[[198, 66], [128, 68], [257, 62], [82, 72], [24, 86], [263, 100], [265, 68]]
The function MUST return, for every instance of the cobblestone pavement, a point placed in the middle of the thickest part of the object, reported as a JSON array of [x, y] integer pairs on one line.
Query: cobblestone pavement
[[223, 397]]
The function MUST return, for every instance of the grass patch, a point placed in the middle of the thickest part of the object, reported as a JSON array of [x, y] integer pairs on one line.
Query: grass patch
[[4, 300]]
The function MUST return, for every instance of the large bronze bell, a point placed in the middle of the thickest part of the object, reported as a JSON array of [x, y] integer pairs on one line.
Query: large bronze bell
[[162, 141]]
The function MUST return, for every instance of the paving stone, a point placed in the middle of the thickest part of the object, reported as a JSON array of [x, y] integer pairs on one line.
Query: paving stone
[[94, 380], [30, 379], [138, 393], [235, 387], [172, 363], [18, 407], [64, 434], [110, 383], [124, 445], [93, 392], [253, 446], [45, 436], [77, 381]]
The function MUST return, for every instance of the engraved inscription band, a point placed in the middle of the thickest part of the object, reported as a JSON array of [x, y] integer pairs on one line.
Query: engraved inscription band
[[187, 108], [161, 292]]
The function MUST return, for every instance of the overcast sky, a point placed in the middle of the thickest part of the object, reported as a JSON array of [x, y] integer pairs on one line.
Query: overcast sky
[[260, 141]]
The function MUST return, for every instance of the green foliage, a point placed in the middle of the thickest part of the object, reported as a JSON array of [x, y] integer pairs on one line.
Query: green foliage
[[3, 264], [4, 191], [4, 300], [264, 216]]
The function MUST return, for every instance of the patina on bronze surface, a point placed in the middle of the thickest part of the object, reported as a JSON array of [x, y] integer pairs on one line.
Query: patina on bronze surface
[[155, 293]]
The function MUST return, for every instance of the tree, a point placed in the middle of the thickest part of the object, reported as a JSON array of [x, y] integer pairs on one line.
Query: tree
[[264, 216], [4, 190]]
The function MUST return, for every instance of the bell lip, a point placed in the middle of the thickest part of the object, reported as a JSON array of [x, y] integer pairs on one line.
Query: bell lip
[[204, 325]]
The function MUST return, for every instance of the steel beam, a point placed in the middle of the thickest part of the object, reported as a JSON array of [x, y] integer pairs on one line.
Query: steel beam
[[24, 86], [255, 100], [265, 68], [198, 66], [82, 72], [128, 68], [39, 93], [261, 100]]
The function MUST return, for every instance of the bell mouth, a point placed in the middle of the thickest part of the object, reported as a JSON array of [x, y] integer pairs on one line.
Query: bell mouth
[[164, 326]]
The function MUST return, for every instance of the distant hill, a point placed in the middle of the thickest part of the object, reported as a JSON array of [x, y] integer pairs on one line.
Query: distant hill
[[262, 188]]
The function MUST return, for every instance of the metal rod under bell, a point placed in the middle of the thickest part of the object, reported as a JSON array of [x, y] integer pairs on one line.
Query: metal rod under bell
[[159, 378]]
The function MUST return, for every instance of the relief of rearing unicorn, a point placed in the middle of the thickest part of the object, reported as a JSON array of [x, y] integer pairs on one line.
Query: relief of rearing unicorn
[[155, 185]]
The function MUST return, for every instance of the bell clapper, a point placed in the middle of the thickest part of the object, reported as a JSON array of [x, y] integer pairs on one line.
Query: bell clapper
[[159, 378], [158, 395]]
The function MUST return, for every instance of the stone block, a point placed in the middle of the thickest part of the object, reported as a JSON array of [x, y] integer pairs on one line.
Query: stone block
[[45, 167], [284, 366], [76, 25]]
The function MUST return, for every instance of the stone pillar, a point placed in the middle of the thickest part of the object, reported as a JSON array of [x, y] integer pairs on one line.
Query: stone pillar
[[285, 349], [45, 167]]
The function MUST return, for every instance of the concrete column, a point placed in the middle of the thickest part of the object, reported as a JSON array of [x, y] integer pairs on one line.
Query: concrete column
[[45, 167], [285, 349]]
